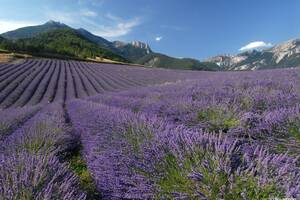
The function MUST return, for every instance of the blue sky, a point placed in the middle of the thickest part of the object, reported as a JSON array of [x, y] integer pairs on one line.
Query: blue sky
[[180, 28]]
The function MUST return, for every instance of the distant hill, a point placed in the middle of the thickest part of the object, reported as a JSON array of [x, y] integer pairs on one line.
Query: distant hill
[[160, 60], [282, 55], [66, 42], [31, 31]]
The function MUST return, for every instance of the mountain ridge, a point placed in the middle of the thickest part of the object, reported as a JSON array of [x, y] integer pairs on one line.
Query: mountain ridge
[[31, 31], [283, 55]]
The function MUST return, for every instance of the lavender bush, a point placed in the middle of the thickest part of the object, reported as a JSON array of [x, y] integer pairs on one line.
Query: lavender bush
[[30, 166], [170, 161], [25, 175], [11, 119]]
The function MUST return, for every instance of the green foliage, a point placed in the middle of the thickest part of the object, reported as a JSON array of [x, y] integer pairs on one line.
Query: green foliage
[[4, 44], [45, 138], [280, 148], [218, 119], [217, 184], [1, 39], [175, 178], [248, 186], [95, 39], [79, 167], [172, 174], [294, 131], [137, 135], [214, 183], [64, 42], [246, 103], [163, 61], [38, 179], [287, 137]]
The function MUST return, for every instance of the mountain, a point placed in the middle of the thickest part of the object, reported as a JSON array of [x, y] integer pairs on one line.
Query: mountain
[[133, 50], [96, 39], [31, 31], [286, 54], [62, 43], [164, 61], [282, 55]]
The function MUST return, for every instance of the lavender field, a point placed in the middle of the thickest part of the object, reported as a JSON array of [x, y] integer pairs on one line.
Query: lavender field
[[78, 130]]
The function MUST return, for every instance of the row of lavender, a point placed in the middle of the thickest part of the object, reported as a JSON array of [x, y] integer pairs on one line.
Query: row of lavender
[[42, 81], [135, 156], [229, 136], [31, 152]]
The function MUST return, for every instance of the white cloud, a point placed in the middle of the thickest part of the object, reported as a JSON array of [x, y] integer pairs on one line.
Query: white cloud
[[107, 25], [158, 38], [64, 17], [72, 18], [113, 17], [255, 45], [88, 13], [117, 26], [9, 25]]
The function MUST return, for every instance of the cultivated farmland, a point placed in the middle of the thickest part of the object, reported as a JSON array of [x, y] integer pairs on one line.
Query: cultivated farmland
[[45, 81], [79, 130]]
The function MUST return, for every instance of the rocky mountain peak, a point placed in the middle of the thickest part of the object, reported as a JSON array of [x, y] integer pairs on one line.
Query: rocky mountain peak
[[287, 46], [136, 44], [285, 50], [139, 44], [54, 23], [119, 44], [226, 60]]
